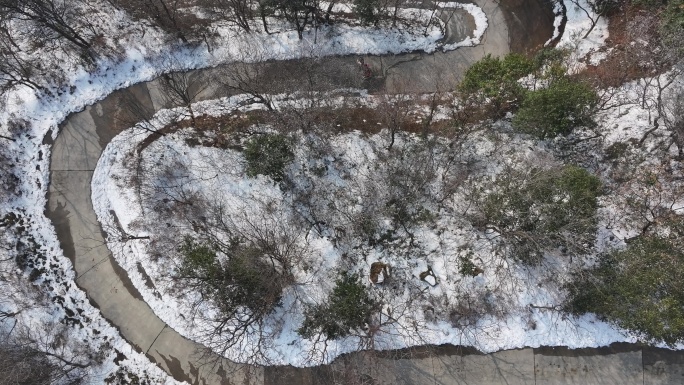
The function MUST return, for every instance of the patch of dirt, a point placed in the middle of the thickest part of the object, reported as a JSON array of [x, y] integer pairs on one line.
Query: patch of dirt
[[213, 131], [627, 59]]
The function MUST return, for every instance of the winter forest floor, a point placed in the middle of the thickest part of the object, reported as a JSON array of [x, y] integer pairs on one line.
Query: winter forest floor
[[127, 178], [76, 150]]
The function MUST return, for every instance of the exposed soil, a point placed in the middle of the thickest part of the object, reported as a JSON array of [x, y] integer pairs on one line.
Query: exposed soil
[[217, 131], [626, 61]]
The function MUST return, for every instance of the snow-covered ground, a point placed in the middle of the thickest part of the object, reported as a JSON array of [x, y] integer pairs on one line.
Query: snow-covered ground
[[528, 316], [525, 299], [584, 48], [481, 24], [142, 53]]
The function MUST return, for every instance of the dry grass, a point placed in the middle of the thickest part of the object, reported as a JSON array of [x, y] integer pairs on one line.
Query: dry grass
[[625, 61]]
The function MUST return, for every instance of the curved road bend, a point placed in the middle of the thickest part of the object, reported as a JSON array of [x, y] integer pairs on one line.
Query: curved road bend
[[518, 25]]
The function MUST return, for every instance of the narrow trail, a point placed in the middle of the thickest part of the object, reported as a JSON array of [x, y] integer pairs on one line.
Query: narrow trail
[[518, 25]]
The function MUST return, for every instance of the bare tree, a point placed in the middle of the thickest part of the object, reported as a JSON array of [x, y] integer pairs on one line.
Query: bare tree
[[136, 112], [167, 14], [246, 281], [673, 117], [68, 358], [304, 80], [252, 76], [395, 112], [182, 89], [15, 68], [21, 364], [42, 353], [299, 13], [53, 19], [237, 255], [646, 196], [598, 8], [9, 179], [237, 12]]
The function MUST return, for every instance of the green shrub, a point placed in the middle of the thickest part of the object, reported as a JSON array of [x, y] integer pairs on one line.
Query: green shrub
[[268, 155], [616, 150], [467, 267], [540, 209], [550, 56], [672, 25], [496, 79], [348, 308], [557, 109], [551, 64], [239, 279], [639, 288], [649, 3]]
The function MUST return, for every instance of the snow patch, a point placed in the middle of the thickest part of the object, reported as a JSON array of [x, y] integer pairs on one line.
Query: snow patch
[[481, 24], [579, 22]]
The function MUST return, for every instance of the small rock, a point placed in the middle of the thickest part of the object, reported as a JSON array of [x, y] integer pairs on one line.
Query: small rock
[[378, 272]]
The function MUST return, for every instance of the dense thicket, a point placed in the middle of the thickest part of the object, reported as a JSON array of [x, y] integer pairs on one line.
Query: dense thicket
[[640, 288]]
